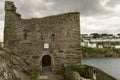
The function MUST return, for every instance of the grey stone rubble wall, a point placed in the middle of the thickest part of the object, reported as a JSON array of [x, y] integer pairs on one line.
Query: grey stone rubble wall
[[75, 76], [72, 75], [69, 74]]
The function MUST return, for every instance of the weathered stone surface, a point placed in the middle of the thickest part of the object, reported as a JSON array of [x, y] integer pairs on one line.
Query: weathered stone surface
[[72, 75], [75, 76]]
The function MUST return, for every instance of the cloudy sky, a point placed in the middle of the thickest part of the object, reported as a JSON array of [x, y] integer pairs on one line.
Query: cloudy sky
[[102, 16]]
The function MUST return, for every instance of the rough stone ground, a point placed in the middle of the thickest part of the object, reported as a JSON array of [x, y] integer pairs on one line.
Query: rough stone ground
[[50, 74], [85, 78]]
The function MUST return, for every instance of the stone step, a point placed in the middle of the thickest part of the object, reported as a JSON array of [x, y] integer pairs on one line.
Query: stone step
[[47, 68], [49, 75], [43, 78]]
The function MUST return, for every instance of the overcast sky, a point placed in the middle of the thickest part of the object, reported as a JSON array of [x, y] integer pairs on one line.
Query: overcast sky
[[102, 16]]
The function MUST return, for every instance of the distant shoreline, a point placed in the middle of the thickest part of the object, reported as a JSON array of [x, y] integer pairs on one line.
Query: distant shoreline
[[101, 56]]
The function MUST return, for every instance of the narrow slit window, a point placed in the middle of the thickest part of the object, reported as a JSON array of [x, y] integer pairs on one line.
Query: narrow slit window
[[41, 36], [25, 36], [53, 37]]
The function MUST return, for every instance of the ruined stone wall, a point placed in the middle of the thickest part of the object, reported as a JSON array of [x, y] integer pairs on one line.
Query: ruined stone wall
[[26, 37]]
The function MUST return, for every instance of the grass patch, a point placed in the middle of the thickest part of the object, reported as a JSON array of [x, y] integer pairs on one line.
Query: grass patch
[[82, 71], [34, 76], [60, 71]]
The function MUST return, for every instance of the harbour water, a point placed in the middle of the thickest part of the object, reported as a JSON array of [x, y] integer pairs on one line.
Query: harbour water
[[108, 65]]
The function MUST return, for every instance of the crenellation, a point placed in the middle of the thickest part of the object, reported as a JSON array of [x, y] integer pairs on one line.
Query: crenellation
[[9, 6]]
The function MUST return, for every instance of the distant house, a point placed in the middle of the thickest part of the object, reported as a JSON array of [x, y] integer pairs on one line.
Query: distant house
[[84, 42], [100, 46], [117, 46], [101, 43], [92, 45], [88, 44], [104, 40]]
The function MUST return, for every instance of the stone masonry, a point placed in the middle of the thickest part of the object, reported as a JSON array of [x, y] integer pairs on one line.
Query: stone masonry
[[38, 42]]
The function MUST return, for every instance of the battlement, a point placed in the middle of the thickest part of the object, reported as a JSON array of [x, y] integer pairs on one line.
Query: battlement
[[9, 6]]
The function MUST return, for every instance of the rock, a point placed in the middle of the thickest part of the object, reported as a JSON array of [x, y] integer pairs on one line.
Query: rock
[[6, 71]]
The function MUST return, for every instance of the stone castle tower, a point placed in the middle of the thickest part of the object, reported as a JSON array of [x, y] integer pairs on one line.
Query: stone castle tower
[[49, 41]]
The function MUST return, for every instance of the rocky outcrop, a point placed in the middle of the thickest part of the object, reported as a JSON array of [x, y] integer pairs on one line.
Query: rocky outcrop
[[6, 71], [75, 76]]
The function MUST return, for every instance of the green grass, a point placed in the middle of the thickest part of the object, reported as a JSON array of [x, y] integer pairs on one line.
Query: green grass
[[34, 76], [60, 71]]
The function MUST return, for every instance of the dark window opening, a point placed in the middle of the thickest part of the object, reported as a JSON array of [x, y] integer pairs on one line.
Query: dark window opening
[[53, 37], [53, 34], [46, 60], [41, 36], [25, 36], [94, 71]]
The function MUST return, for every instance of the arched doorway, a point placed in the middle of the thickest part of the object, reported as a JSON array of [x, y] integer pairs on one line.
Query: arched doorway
[[46, 61]]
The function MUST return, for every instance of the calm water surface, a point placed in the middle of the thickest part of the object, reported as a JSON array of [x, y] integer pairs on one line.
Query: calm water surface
[[109, 65]]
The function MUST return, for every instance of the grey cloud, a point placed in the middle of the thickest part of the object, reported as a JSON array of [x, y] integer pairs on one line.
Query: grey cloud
[[85, 7], [2, 17], [113, 3], [103, 29], [1, 6], [2, 10], [29, 8]]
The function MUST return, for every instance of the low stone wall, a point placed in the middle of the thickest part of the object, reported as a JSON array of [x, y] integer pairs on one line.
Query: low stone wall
[[97, 74], [86, 72], [74, 75]]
